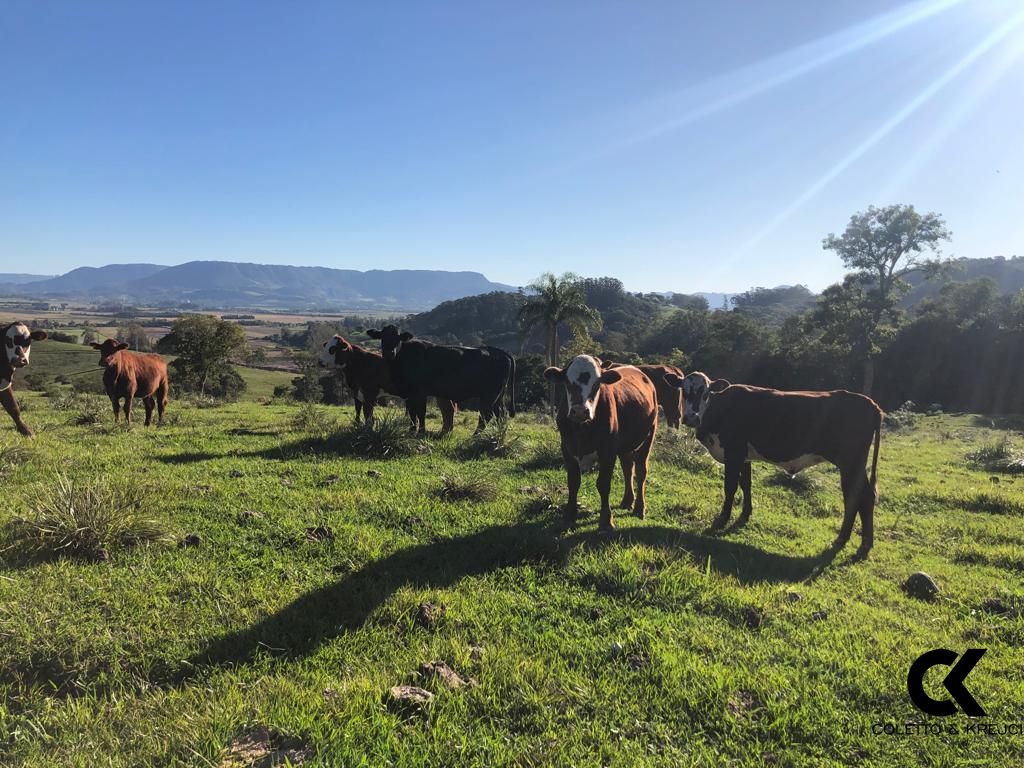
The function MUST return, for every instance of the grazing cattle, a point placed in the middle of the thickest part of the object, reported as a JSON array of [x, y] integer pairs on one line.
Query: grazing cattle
[[739, 424], [669, 398], [17, 348], [604, 415], [420, 369], [367, 375], [129, 375]]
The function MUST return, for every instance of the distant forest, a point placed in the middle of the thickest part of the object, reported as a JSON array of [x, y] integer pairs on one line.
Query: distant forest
[[954, 339]]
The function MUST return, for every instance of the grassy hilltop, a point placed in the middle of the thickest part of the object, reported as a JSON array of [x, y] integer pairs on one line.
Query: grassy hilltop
[[321, 579]]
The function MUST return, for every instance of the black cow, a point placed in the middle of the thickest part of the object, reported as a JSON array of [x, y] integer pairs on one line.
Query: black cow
[[421, 369]]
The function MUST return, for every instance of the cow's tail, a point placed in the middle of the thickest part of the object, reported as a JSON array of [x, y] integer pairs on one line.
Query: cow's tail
[[878, 438], [512, 387]]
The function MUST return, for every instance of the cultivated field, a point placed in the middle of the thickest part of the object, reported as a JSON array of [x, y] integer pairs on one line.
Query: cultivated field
[[319, 579]]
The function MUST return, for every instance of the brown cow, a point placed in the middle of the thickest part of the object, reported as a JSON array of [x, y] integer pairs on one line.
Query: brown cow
[[669, 398], [792, 430], [130, 375], [367, 375], [17, 348], [605, 414]]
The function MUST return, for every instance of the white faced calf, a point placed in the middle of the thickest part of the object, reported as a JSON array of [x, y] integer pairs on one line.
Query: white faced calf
[[17, 341]]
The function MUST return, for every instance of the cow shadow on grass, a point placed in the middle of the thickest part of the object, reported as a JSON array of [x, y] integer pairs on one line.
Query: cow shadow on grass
[[312, 619]]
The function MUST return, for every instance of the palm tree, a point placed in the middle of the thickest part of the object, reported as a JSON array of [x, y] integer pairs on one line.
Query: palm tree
[[556, 301]]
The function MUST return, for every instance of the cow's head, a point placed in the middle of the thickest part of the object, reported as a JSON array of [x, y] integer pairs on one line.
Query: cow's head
[[697, 388], [582, 380], [390, 340], [334, 353], [108, 349], [18, 343]]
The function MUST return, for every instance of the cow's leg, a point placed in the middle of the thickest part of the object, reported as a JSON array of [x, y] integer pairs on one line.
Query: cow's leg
[[149, 404], [733, 469], [628, 497], [606, 467], [447, 409], [573, 478], [642, 455], [161, 401], [417, 409], [748, 501], [867, 518], [853, 481], [359, 409], [10, 404], [128, 407], [115, 401]]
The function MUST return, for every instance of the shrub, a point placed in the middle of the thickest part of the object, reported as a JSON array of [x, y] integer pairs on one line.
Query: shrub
[[469, 488], [87, 518]]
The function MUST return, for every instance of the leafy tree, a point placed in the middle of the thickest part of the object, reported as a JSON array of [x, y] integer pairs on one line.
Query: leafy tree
[[204, 345], [882, 246]]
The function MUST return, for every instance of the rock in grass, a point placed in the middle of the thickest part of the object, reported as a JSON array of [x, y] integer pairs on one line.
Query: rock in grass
[[262, 746], [235, 473], [428, 615], [819, 616], [448, 676], [192, 540], [328, 481], [372, 473], [408, 698], [476, 653], [615, 650], [921, 586], [752, 617]]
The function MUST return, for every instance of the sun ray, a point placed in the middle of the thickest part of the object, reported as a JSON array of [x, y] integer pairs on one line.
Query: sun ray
[[894, 121]]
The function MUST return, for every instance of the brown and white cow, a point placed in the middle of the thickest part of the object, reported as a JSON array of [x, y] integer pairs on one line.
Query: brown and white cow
[[669, 398], [367, 375], [739, 424], [605, 414], [129, 375], [17, 341]]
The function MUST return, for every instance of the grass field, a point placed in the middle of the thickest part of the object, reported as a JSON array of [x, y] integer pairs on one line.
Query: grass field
[[320, 579], [51, 359]]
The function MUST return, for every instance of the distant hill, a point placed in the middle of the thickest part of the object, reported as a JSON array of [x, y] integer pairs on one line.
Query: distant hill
[[229, 284], [15, 278], [1008, 274]]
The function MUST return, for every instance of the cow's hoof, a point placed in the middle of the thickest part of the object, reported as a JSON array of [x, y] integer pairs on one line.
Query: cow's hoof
[[862, 552], [719, 523], [608, 527], [626, 504], [641, 513]]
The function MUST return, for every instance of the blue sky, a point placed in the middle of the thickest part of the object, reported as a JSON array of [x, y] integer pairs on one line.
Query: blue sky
[[684, 146]]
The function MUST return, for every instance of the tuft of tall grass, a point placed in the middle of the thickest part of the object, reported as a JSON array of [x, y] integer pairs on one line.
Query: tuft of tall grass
[[680, 448], [314, 419], [11, 455], [386, 437], [496, 440], [91, 409], [467, 488], [87, 518], [997, 456]]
